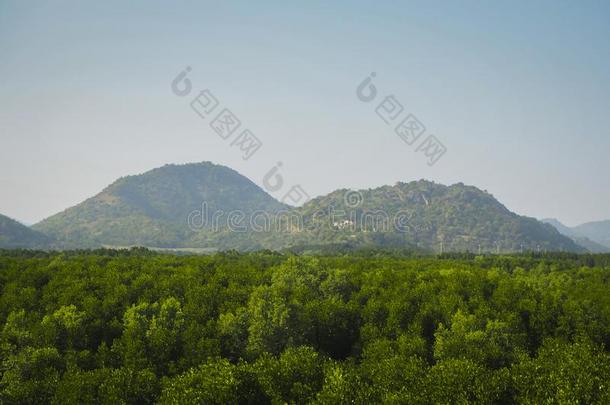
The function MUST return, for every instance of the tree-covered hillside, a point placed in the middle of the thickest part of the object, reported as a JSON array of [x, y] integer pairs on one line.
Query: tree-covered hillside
[[152, 209], [165, 208], [16, 235], [420, 215], [135, 327]]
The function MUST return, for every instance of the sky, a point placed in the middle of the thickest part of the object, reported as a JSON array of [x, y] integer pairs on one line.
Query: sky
[[518, 93]]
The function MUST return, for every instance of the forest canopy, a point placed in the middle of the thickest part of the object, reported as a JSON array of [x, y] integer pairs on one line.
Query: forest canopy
[[139, 327]]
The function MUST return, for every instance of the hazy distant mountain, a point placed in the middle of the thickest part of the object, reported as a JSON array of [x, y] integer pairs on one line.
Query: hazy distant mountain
[[593, 236], [151, 209], [597, 231], [563, 229], [16, 235], [590, 245]]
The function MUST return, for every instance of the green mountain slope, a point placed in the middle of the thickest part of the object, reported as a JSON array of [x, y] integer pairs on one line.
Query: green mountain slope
[[16, 235], [163, 208], [151, 209], [420, 214]]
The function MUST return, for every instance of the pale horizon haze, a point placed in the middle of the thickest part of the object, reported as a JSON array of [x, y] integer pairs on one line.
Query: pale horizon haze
[[518, 92]]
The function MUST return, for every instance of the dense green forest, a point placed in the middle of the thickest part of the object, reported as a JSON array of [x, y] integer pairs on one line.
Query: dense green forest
[[139, 327]]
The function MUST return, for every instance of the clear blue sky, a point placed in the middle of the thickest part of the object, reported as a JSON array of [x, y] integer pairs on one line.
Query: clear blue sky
[[519, 93]]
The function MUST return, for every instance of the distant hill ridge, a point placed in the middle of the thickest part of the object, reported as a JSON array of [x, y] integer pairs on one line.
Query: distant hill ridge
[[151, 209], [594, 236], [16, 235], [436, 217]]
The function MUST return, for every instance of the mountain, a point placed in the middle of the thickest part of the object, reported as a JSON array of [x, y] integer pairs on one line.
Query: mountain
[[16, 235], [593, 236], [165, 208], [590, 245], [421, 215], [151, 209], [563, 229], [597, 231]]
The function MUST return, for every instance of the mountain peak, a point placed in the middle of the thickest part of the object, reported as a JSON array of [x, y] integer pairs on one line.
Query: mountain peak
[[152, 208]]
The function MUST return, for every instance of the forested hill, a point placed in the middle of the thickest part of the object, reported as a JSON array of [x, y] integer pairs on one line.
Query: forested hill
[[16, 235], [152, 209], [425, 216]]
